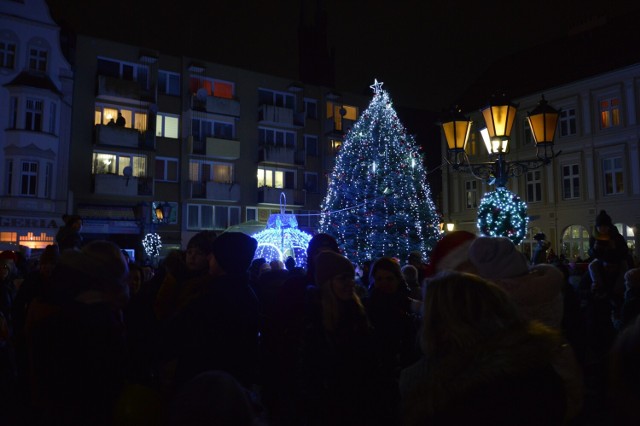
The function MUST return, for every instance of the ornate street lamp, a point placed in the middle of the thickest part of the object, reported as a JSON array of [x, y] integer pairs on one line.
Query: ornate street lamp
[[163, 212], [499, 117]]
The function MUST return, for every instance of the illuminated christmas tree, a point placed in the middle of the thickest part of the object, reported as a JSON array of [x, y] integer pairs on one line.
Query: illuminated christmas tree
[[379, 202]]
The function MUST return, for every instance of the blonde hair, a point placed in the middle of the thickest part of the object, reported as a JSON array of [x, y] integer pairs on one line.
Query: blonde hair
[[332, 311], [462, 309]]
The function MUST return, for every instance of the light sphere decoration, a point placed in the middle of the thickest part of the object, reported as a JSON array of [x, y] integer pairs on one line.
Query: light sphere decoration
[[503, 214], [281, 239], [152, 245]]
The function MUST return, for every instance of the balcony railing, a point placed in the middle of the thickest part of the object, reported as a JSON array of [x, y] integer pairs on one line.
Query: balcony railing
[[218, 191], [269, 195], [216, 105], [124, 137], [280, 154], [269, 114], [226, 149], [110, 184], [114, 88]]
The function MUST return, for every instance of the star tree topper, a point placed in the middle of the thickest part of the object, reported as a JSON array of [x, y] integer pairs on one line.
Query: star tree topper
[[376, 86]]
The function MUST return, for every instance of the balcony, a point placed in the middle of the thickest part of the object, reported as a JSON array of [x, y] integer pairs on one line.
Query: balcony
[[282, 155], [216, 105], [280, 116], [216, 191], [226, 149], [269, 195], [123, 137], [110, 184], [115, 88], [336, 130]]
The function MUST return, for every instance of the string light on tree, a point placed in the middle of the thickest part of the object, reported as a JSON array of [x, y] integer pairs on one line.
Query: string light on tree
[[503, 214], [152, 245], [379, 202]]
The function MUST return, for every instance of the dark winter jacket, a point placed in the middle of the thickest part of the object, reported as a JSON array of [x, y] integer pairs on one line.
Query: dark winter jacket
[[508, 380]]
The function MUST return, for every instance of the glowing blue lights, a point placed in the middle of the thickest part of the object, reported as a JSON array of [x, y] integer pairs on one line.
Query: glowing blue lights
[[282, 239]]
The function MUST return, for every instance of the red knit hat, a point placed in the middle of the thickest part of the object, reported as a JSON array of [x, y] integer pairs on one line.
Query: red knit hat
[[449, 252]]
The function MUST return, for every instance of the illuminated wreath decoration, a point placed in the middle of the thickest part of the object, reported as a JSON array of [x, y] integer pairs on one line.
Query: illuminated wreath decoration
[[503, 214]]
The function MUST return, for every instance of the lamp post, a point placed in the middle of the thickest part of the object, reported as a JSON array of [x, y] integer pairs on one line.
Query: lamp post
[[499, 117], [163, 212]]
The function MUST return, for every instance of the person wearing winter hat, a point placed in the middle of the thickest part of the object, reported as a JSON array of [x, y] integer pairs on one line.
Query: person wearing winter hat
[[232, 253], [451, 253], [609, 254], [338, 352], [537, 291], [218, 329], [539, 254]]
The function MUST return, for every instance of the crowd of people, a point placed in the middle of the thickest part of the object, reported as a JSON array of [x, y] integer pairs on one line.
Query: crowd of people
[[479, 334]]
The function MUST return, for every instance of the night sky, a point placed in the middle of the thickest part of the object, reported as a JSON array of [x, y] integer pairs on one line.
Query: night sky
[[426, 52]]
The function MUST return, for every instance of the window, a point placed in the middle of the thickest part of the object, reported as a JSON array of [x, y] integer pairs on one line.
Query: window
[[276, 178], [339, 112], [334, 146], [311, 182], [8, 188], [7, 54], [166, 169], [527, 134], [568, 122], [124, 71], [251, 213], [37, 59], [33, 116], [29, 178], [628, 234], [199, 216], [167, 125], [115, 163], [48, 179], [275, 137], [570, 181], [311, 145], [53, 117], [169, 83], [613, 176], [534, 186], [575, 243], [311, 108], [133, 118], [202, 129], [209, 171], [471, 191], [279, 99], [226, 216], [212, 87], [609, 112]]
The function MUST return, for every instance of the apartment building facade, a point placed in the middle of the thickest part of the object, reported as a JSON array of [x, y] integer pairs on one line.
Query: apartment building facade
[[36, 86], [598, 139], [210, 146]]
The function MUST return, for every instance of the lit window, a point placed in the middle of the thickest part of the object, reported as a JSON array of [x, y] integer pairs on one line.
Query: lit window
[[116, 163], [167, 125], [609, 113]]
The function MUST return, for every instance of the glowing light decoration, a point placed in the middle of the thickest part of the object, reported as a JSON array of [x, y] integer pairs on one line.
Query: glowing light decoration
[[378, 202], [152, 245], [503, 214], [282, 238]]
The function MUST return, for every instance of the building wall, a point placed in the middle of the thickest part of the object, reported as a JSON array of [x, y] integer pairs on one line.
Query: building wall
[[31, 214], [126, 214], [588, 148]]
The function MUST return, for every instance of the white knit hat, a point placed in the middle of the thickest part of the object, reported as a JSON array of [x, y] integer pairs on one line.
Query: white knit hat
[[497, 257]]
